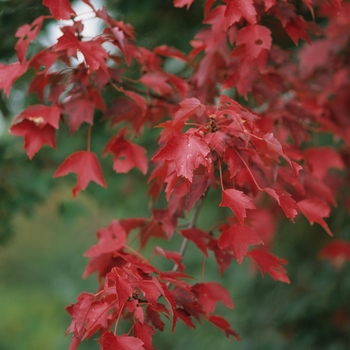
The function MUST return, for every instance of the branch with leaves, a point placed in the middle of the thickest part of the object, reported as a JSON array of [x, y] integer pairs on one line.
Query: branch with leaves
[[261, 163]]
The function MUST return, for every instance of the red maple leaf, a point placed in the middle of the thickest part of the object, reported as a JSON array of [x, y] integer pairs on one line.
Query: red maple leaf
[[86, 165], [222, 324], [286, 202], [182, 3], [239, 238], [236, 9], [26, 34], [337, 251], [110, 239], [60, 9], [209, 294], [188, 107], [270, 263], [255, 38], [10, 73], [127, 155], [315, 210], [198, 237], [187, 152], [34, 136], [238, 202], [122, 342], [144, 332]]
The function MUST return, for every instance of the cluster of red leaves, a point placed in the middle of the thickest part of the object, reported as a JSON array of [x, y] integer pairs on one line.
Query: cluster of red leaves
[[256, 157]]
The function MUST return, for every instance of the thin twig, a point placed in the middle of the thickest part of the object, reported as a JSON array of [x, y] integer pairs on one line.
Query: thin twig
[[190, 225]]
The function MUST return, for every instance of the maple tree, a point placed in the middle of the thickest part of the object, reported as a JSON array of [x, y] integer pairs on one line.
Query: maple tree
[[240, 120]]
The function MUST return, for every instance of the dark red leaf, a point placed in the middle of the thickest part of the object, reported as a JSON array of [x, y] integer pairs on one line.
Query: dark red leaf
[[210, 293], [286, 202], [239, 238], [34, 137], [315, 210], [198, 237], [222, 324], [187, 152], [238, 202], [86, 165], [236, 9], [270, 263], [60, 9], [122, 342]]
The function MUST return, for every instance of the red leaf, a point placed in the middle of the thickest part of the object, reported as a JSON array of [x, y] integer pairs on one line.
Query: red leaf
[[210, 293], [34, 137], [182, 3], [122, 342], [238, 202], [60, 9], [198, 237], [86, 165], [79, 312], [188, 107], [320, 159], [40, 115], [270, 263], [337, 251], [187, 152], [158, 82], [127, 155], [236, 9], [315, 210], [255, 38], [144, 332], [174, 256], [10, 73], [110, 239], [79, 110], [26, 34], [239, 238], [286, 202], [222, 324]]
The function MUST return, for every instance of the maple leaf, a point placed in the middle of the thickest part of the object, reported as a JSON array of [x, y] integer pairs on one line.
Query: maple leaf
[[60, 9], [122, 342], [110, 239], [187, 152], [255, 38], [238, 202], [79, 312], [26, 34], [315, 210], [10, 73], [236, 9], [174, 256], [34, 137], [198, 237], [239, 238], [188, 107], [86, 165], [182, 3], [79, 110], [337, 251], [286, 202], [270, 263], [209, 294], [144, 332], [222, 324], [126, 154]]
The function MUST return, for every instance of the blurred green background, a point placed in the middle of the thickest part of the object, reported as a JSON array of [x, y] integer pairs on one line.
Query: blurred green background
[[44, 232]]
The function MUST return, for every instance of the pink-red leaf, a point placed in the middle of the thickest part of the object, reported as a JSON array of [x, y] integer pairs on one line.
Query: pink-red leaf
[[187, 152], [270, 263], [236, 9], [237, 201], [337, 251], [60, 9], [86, 165], [286, 202], [239, 238], [315, 210]]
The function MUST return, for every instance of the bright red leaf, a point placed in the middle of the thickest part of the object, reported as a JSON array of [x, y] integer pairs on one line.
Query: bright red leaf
[[60, 9], [238, 202], [222, 324], [315, 210], [122, 342], [86, 165], [236, 9], [286, 202], [239, 238], [270, 263], [10, 73], [187, 152]]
